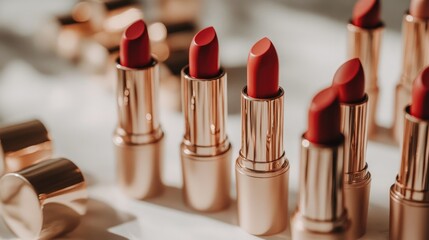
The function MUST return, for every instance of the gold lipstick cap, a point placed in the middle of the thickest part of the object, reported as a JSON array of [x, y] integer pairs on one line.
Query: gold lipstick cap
[[23, 144], [45, 200]]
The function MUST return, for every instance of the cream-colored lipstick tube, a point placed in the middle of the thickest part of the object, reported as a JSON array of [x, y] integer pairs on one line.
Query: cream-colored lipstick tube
[[357, 179], [262, 170], [138, 137], [365, 44], [321, 212], [415, 58], [205, 149], [409, 196], [23, 144]]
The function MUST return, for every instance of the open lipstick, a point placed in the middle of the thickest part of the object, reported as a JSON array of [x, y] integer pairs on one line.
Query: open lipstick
[[350, 83], [138, 137], [205, 149], [262, 170], [364, 34], [321, 213], [409, 196], [415, 31]]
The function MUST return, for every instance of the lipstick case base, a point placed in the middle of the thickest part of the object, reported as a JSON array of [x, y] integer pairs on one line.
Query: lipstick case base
[[338, 230], [262, 199], [139, 168], [206, 180], [356, 200], [402, 98], [408, 219]]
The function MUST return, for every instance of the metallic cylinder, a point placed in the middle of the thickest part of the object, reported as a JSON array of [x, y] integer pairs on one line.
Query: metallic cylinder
[[365, 44], [45, 200], [262, 170], [138, 137], [409, 196], [321, 212], [23, 144], [357, 178], [205, 149], [416, 57]]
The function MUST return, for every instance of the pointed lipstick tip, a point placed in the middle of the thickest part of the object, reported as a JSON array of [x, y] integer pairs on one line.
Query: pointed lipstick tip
[[261, 47], [366, 14], [419, 8], [205, 36], [135, 30], [350, 81], [324, 118], [420, 96]]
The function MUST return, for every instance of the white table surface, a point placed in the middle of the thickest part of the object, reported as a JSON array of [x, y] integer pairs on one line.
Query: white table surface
[[81, 114]]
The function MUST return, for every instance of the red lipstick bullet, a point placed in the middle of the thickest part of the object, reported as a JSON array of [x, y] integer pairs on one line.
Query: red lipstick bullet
[[205, 149], [263, 70], [262, 170], [138, 136], [366, 14], [420, 96], [409, 195], [365, 31], [204, 55], [324, 118], [419, 8], [350, 82], [321, 213], [134, 49], [415, 31]]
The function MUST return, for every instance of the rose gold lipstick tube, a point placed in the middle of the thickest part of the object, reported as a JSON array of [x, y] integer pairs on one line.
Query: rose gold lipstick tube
[[357, 179], [409, 196], [321, 213], [416, 56], [22, 145], [138, 137], [205, 149], [365, 44], [262, 170]]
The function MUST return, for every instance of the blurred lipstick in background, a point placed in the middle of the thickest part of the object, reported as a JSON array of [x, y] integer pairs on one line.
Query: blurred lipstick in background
[[409, 195], [415, 32], [364, 34], [350, 82]]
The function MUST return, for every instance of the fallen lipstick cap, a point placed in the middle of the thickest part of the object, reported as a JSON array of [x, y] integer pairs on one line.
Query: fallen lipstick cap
[[23, 144], [44, 200]]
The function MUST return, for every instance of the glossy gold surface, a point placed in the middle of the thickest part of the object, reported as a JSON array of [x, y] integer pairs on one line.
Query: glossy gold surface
[[321, 211], [415, 58], [409, 196], [23, 144], [205, 149], [138, 137], [262, 170], [45, 200], [357, 178], [365, 45]]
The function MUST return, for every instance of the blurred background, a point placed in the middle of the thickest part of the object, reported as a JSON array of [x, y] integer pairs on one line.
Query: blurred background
[[57, 64]]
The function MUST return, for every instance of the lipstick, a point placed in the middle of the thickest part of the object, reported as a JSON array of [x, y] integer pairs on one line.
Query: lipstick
[[321, 213], [262, 170], [138, 136], [409, 195], [350, 82], [205, 149], [364, 34], [415, 31]]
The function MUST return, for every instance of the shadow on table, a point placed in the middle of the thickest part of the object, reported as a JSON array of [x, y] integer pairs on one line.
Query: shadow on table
[[99, 218], [173, 198]]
